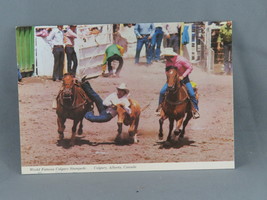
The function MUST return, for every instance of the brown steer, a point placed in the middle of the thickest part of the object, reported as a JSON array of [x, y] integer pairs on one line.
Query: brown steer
[[129, 119]]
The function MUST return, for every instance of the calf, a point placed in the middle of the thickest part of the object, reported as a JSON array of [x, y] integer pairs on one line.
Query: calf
[[129, 119]]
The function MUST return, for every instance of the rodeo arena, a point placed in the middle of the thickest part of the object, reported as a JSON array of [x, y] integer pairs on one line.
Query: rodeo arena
[[124, 94]]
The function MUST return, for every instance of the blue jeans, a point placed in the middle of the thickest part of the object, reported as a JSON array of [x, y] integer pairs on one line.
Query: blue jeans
[[103, 115], [227, 48], [71, 58], [19, 75], [173, 42], [139, 45], [189, 88], [59, 54], [156, 42]]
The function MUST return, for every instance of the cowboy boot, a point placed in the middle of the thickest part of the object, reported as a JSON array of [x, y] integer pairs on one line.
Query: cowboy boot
[[158, 110]]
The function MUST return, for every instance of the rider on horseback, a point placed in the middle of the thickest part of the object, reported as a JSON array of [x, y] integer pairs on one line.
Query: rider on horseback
[[184, 68]]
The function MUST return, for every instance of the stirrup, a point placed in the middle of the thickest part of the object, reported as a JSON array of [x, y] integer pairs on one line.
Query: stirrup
[[158, 110], [196, 114]]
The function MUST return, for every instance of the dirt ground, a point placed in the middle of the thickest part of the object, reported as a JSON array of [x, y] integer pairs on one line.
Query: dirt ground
[[209, 138]]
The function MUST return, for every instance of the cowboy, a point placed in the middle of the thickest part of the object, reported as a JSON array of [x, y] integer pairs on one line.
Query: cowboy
[[113, 52], [107, 108], [184, 68], [144, 33], [55, 39]]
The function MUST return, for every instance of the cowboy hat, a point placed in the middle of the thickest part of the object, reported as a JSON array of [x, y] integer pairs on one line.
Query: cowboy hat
[[123, 87], [168, 52]]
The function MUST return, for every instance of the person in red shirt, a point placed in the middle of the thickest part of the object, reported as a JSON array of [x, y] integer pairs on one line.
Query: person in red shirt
[[184, 68]]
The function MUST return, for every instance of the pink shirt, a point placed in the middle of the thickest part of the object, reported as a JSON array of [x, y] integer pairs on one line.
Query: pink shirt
[[184, 67], [42, 33]]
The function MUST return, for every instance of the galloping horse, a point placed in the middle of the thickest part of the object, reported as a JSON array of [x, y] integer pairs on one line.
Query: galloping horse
[[129, 119], [72, 103], [176, 106]]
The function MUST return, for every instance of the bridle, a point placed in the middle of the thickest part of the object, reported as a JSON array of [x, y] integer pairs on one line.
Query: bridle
[[67, 90], [174, 90], [67, 97]]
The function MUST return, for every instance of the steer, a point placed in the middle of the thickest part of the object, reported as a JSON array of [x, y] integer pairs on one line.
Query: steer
[[129, 119]]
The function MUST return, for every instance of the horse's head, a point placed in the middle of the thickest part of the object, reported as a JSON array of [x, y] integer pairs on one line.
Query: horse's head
[[68, 83], [172, 77]]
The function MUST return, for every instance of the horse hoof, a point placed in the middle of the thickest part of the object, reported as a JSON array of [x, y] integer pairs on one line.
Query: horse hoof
[[168, 140], [177, 132], [61, 136], [80, 132]]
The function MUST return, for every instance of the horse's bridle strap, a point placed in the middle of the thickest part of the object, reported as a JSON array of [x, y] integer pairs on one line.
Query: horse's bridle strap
[[73, 107]]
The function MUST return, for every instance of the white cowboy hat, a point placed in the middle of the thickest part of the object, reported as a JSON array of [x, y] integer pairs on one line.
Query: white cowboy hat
[[168, 52], [123, 86]]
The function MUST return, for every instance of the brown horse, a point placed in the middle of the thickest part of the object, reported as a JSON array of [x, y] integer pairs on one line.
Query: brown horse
[[72, 103], [176, 106], [129, 119]]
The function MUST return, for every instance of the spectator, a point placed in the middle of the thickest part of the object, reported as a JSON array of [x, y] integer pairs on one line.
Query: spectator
[[113, 52], [173, 39], [144, 33], [157, 40], [55, 39], [19, 75], [225, 37], [69, 37]]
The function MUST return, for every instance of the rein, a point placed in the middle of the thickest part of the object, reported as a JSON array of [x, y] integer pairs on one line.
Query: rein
[[178, 102]]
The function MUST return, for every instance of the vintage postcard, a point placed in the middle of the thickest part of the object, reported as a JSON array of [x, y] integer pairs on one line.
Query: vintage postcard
[[125, 97]]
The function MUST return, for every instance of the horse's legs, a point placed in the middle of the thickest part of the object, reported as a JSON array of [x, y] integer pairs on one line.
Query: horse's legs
[[188, 117], [74, 127], [177, 130], [61, 127], [171, 120], [80, 130], [161, 120]]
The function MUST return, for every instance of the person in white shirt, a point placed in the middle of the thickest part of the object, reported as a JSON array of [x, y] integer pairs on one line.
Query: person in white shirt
[[173, 40], [69, 38], [107, 108], [55, 39]]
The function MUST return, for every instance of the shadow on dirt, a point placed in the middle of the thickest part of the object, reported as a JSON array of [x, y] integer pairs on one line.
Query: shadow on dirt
[[176, 144], [65, 143]]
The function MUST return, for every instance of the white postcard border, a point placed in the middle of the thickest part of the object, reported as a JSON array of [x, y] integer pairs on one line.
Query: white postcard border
[[127, 167]]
